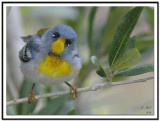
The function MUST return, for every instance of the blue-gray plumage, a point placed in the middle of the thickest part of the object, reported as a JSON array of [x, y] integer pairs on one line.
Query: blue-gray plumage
[[38, 46], [30, 50]]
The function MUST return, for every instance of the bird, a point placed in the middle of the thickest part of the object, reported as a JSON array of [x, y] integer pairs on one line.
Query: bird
[[50, 57]]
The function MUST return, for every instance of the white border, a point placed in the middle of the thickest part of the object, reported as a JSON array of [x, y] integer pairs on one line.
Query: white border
[[80, 4], [155, 61], [81, 116], [4, 61]]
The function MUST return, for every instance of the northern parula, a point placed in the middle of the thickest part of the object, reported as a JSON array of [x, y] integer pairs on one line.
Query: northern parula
[[50, 57]]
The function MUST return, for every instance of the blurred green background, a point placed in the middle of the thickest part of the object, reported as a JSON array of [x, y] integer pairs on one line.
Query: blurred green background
[[95, 27]]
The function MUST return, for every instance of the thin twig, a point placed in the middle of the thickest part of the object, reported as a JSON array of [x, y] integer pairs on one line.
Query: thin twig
[[86, 89]]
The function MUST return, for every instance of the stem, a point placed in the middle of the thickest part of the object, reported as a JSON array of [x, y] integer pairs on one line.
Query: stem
[[86, 89], [109, 76]]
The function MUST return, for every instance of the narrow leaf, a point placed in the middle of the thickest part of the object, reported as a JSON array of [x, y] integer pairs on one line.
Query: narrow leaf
[[99, 69], [130, 59], [66, 108], [72, 112], [113, 20], [149, 14], [122, 35], [135, 70], [91, 20], [145, 37], [142, 45], [131, 44], [55, 106], [144, 41], [11, 110]]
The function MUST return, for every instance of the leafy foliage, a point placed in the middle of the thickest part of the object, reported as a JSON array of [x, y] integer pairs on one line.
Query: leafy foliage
[[91, 20], [131, 44], [149, 14], [113, 19], [144, 41], [131, 58], [122, 35], [135, 70], [123, 53], [100, 71]]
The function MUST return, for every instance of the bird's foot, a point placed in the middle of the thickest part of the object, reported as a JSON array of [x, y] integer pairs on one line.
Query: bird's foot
[[31, 97], [73, 90]]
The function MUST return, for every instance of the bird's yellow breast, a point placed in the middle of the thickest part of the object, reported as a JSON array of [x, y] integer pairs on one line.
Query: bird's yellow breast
[[54, 67]]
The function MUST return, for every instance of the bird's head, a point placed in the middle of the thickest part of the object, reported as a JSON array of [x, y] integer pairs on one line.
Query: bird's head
[[60, 40]]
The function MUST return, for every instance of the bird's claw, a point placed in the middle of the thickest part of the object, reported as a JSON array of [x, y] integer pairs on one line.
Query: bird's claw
[[73, 92], [31, 97]]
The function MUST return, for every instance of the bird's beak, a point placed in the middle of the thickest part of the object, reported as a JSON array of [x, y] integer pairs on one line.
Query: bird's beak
[[58, 46]]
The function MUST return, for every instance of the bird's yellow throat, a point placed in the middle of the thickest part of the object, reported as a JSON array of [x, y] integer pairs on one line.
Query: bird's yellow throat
[[53, 66], [58, 46]]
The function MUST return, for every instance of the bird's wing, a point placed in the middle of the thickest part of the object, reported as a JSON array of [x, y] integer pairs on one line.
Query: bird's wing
[[25, 54], [30, 50]]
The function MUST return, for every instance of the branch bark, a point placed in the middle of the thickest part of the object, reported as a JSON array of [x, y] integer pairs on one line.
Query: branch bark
[[86, 89]]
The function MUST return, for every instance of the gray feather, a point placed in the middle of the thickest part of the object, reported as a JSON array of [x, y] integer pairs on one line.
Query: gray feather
[[24, 54], [30, 50], [26, 38]]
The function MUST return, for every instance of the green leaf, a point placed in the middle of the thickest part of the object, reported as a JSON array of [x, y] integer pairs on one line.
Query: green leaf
[[60, 105], [131, 58], [122, 35], [26, 108], [142, 45], [145, 37], [144, 41], [72, 112], [131, 44], [82, 72], [113, 20], [67, 107], [91, 20], [149, 14], [135, 70], [11, 110], [100, 71]]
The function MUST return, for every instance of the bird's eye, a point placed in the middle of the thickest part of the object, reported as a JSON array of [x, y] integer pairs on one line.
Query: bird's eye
[[68, 42], [56, 35]]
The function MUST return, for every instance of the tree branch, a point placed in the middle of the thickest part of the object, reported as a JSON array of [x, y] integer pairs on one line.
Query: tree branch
[[86, 89]]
